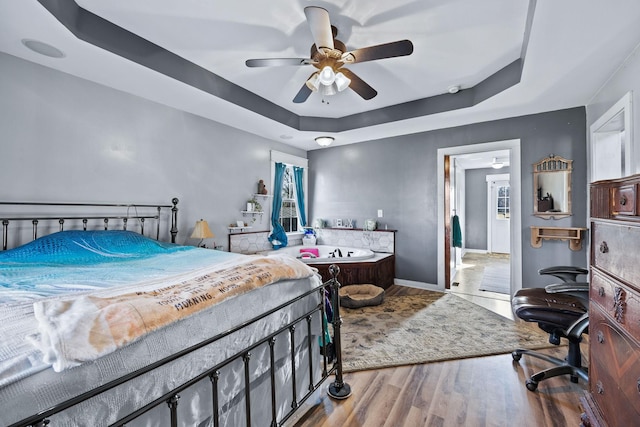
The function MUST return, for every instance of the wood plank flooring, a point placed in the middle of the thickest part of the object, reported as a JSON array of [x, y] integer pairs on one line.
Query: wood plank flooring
[[484, 391]]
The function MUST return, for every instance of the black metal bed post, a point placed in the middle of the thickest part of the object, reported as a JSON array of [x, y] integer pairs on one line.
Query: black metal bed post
[[174, 219], [337, 389]]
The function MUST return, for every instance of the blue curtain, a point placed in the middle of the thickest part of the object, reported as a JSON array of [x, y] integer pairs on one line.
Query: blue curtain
[[297, 173], [278, 237]]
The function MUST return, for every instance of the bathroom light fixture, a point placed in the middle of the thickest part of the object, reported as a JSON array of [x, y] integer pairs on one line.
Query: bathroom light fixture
[[202, 231], [324, 141], [496, 164], [454, 89]]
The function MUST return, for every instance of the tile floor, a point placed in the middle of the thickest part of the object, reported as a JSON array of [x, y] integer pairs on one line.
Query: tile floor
[[469, 276]]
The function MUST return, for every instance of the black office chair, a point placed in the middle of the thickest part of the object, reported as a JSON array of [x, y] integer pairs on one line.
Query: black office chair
[[561, 310]]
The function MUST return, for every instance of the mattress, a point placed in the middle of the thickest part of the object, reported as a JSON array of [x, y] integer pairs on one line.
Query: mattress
[[25, 373]]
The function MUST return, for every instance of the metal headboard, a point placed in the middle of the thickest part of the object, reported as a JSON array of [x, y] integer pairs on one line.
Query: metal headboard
[[61, 219]]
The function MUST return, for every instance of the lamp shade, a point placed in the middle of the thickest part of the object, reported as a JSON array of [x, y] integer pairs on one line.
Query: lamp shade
[[202, 230], [327, 76]]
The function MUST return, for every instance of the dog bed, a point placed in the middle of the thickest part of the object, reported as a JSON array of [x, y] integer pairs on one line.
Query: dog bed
[[356, 296]]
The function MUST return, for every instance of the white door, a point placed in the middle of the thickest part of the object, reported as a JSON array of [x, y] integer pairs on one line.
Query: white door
[[499, 214]]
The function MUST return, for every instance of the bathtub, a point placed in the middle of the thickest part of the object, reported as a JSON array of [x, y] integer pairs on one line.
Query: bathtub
[[324, 253]]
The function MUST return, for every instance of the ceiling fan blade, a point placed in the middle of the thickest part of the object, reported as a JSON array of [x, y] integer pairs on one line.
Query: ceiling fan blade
[[320, 25], [358, 85], [381, 51], [302, 95], [277, 62]]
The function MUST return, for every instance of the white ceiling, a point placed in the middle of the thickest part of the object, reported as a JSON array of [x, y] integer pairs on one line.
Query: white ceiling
[[571, 49]]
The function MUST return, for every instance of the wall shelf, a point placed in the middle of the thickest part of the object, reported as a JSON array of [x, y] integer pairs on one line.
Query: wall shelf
[[235, 229], [252, 212], [574, 235]]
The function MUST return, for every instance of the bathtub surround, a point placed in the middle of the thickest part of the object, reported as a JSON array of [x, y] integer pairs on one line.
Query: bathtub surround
[[378, 241]]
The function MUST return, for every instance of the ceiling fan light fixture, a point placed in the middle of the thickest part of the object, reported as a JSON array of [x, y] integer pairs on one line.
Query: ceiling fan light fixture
[[327, 76], [496, 164], [324, 141], [314, 82], [342, 82], [329, 90]]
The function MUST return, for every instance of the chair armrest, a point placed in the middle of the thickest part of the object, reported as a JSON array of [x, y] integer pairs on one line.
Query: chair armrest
[[580, 290], [567, 273], [567, 287]]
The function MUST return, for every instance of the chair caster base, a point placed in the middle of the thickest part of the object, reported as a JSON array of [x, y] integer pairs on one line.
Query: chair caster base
[[531, 385]]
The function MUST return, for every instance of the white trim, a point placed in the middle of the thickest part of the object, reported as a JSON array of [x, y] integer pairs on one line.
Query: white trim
[[289, 159], [417, 285], [513, 145], [625, 105], [475, 251]]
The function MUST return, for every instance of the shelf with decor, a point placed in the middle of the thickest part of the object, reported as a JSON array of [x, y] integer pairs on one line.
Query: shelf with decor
[[239, 229], [574, 235]]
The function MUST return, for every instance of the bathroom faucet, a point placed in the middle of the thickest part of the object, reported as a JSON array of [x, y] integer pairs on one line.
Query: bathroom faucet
[[338, 251]]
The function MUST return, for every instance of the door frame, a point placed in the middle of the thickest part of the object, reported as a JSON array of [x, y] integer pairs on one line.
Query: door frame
[[444, 216], [490, 208]]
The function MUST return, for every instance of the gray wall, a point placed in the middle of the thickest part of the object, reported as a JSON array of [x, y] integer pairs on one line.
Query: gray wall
[[398, 175], [68, 139]]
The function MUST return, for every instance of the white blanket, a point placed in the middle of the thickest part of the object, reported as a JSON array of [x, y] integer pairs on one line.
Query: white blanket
[[86, 327]]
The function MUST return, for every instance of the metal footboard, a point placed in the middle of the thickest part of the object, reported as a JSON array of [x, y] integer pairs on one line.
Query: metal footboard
[[330, 365]]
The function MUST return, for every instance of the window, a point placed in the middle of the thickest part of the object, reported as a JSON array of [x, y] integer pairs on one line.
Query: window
[[503, 202], [289, 214], [289, 211]]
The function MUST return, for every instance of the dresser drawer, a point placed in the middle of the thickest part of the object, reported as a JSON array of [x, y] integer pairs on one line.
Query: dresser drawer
[[614, 371], [615, 249], [624, 199], [618, 301]]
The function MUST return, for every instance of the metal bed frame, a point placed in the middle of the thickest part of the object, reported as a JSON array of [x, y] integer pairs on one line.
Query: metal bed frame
[[331, 364], [61, 219]]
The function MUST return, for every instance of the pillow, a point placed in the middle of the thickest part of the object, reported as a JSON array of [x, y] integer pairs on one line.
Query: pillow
[[80, 247]]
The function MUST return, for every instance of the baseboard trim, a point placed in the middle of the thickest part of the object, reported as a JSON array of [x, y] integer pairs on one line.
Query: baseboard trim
[[418, 285]]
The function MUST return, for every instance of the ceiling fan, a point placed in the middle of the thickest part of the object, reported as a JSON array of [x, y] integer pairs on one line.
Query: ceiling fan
[[329, 56]]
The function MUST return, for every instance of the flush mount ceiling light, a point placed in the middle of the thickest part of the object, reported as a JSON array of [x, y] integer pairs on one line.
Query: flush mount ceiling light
[[324, 141], [43, 48], [454, 89], [496, 164]]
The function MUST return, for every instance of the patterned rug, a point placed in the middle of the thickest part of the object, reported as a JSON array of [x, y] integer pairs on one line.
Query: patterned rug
[[412, 329]]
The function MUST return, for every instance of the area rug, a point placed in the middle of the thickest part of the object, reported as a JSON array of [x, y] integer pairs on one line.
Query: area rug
[[412, 329], [496, 278]]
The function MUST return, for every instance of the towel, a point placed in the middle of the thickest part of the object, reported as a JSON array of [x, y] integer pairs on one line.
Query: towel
[[456, 232]]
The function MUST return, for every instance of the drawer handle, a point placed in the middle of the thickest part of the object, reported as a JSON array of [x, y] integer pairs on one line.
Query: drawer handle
[[601, 291], [599, 387], [623, 200], [604, 248], [600, 337]]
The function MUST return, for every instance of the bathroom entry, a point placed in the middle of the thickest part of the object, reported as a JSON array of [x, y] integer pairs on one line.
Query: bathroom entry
[[476, 208]]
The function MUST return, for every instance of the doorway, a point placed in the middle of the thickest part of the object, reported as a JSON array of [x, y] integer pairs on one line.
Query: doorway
[[445, 209]]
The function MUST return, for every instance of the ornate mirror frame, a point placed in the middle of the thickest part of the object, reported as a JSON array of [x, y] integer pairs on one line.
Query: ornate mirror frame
[[552, 188]]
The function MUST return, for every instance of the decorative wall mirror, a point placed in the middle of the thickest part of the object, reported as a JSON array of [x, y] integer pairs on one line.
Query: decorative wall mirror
[[552, 187]]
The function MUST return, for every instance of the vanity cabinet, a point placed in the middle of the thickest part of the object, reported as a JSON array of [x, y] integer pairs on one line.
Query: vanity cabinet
[[614, 308]]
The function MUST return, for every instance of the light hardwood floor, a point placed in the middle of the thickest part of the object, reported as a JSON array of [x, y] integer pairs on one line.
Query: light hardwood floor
[[483, 391]]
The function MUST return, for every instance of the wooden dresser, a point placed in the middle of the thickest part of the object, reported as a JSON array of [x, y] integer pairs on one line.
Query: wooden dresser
[[614, 311]]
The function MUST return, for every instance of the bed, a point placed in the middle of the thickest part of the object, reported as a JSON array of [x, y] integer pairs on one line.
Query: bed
[[103, 325]]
